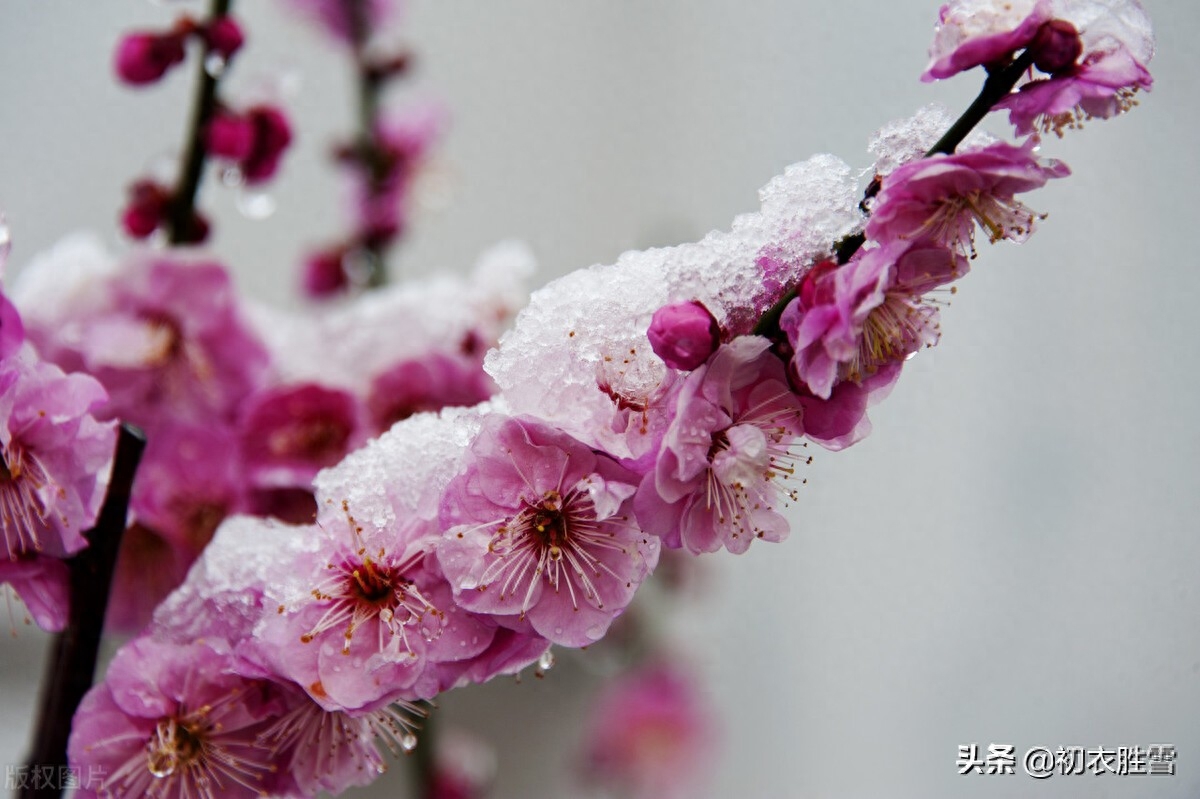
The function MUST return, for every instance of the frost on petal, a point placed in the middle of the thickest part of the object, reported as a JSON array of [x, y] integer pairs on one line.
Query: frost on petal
[[904, 140], [226, 591], [400, 474], [550, 364], [971, 33]]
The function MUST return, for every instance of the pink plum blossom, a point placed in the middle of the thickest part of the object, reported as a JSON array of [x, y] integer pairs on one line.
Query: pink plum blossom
[[972, 33], [717, 480], [1116, 44], [144, 57], [429, 383], [189, 480], [650, 735], [850, 321], [289, 433], [382, 181], [174, 721], [377, 616], [539, 532], [339, 18], [941, 198], [55, 456], [684, 334], [168, 340]]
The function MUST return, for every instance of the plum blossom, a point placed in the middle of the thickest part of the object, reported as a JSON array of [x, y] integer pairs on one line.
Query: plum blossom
[[972, 33], [850, 321], [174, 721], [539, 533], [430, 383], [1116, 44], [190, 479], [289, 433], [340, 18], [717, 480], [649, 734], [55, 457], [941, 198], [167, 339]]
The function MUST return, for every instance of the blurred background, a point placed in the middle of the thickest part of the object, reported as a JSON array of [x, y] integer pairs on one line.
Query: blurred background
[[1009, 558]]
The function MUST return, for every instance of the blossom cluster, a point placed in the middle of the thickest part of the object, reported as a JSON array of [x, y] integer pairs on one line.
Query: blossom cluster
[[666, 401], [55, 460]]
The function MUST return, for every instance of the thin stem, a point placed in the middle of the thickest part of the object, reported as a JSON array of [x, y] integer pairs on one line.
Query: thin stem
[[72, 664], [181, 217], [366, 146], [995, 88]]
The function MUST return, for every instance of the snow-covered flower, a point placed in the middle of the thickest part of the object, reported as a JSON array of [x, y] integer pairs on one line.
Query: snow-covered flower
[[539, 532]]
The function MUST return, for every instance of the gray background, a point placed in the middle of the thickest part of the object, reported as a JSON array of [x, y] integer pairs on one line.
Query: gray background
[[1009, 558]]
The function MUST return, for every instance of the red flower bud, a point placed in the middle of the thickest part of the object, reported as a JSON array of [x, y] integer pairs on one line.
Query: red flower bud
[[143, 58], [1056, 46], [224, 36]]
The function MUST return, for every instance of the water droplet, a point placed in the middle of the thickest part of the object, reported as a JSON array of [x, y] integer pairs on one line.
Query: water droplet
[[546, 661], [595, 632], [408, 742], [5, 241], [255, 204], [214, 65], [232, 177], [474, 639]]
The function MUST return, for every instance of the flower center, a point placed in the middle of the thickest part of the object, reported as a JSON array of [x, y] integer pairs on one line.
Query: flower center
[[371, 584], [175, 744], [22, 511], [895, 329], [549, 524]]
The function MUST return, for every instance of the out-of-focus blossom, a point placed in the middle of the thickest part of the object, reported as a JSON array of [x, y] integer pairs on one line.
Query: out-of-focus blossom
[[189, 480], [253, 140], [145, 57], [650, 735], [347, 21], [224, 36], [166, 339], [426, 384], [289, 433]]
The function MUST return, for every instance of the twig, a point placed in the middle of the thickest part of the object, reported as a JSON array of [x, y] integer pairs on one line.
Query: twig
[[72, 665]]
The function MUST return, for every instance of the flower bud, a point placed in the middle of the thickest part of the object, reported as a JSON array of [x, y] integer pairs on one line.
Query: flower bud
[[224, 36], [143, 58], [230, 136], [684, 334], [1056, 46], [146, 210], [324, 274], [272, 135]]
